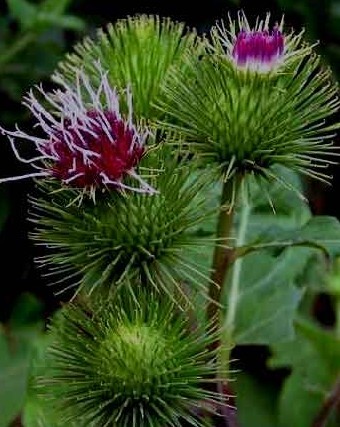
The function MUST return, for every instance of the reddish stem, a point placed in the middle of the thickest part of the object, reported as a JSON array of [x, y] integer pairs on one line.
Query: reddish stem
[[331, 402]]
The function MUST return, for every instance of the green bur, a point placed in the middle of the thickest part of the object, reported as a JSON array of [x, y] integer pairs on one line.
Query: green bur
[[139, 52], [244, 122], [134, 362], [139, 237]]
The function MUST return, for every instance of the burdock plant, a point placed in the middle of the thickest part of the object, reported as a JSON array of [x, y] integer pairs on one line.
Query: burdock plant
[[259, 98], [147, 121]]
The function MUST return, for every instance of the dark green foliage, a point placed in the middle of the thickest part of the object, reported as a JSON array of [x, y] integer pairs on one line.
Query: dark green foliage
[[33, 39], [314, 372], [17, 340]]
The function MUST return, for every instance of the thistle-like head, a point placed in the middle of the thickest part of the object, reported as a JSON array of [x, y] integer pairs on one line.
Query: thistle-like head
[[136, 361], [260, 48], [260, 97], [133, 237], [139, 51], [87, 143]]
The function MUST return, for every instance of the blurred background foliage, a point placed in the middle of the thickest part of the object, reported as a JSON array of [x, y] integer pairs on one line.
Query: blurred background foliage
[[34, 36]]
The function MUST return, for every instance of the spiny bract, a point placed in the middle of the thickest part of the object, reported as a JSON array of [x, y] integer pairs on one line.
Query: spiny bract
[[138, 51], [255, 99], [132, 362], [152, 238], [87, 143]]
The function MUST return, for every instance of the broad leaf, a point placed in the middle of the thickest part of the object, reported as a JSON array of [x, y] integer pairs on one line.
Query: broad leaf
[[44, 15], [314, 357], [268, 298], [37, 412], [55, 7], [292, 224], [15, 351], [24, 11], [63, 21], [13, 379], [16, 341], [321, 232]]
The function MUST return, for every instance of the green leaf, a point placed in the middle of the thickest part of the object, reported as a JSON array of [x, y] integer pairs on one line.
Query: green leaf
[[15, 351], [314, 358], [13, 378], [24, 11], [268, 299], [16, 342], [325, 343], [37, 412], [321, 232], [62, 21], [256, 402], [300, 400], [277, 204], [28, 310], [275, 209], [55, 7], [44, 15]]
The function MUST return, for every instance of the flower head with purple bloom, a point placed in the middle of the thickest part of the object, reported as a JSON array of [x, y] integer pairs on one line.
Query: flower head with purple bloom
[[258, 49], [88, 144], [260, 99]]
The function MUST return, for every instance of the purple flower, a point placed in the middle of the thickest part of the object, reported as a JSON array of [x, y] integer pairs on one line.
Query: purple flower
[[257, 49], [88, 144]]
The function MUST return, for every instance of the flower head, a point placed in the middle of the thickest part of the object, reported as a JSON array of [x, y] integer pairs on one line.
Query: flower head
[[135, 361], [88, 144], [139, 51], [258, 100], [258, 48], [133, 237]]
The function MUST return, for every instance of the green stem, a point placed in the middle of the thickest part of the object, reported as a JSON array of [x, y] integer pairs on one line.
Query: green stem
[[236, 272], [234, 290], [223, 254], [222, 260]]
